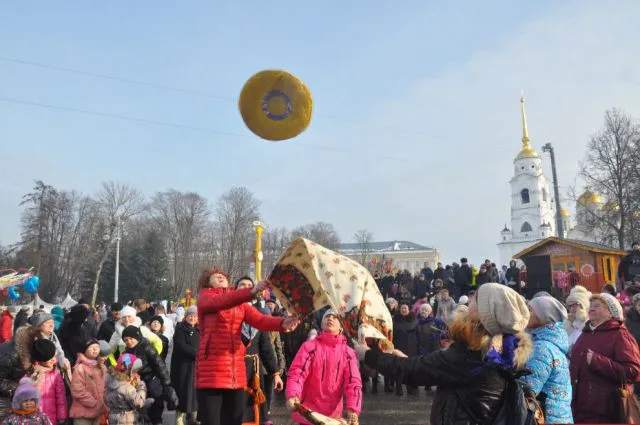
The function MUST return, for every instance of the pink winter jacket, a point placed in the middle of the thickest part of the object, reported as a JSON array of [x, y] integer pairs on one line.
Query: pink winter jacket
[[324, 370], [53, 398], [87, 389]]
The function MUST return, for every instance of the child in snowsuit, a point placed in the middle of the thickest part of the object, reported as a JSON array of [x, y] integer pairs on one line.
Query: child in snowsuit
[[125, 391], [25, 406]]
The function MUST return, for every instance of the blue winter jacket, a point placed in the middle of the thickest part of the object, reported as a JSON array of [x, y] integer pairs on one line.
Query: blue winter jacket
[[550, 367]]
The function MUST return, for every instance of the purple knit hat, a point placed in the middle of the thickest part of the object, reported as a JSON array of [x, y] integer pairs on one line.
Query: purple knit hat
[[25, 391]]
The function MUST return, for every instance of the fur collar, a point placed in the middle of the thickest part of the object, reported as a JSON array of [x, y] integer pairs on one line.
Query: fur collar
[[119, 328], [22, 342], [522, 352]]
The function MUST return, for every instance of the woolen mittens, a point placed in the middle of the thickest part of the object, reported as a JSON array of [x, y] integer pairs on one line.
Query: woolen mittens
[[352, 418]]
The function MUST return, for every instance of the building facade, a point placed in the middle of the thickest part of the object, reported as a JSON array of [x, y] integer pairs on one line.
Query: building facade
[[399, 255]]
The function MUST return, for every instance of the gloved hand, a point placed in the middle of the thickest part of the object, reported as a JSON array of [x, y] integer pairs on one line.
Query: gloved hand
[[171, 397], [352, 417], [291, 403], [148, 402]]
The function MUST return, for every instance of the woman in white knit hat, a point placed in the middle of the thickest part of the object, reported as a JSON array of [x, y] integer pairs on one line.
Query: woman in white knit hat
[[603, 359], [129, 317], [578, 313], [470, 388]]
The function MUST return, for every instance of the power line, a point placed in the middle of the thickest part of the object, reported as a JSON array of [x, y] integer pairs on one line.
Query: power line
[[191, 92], [183, 127], [119, 117]]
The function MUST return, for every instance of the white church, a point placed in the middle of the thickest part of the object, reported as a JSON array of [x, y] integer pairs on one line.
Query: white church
[[533, 207]]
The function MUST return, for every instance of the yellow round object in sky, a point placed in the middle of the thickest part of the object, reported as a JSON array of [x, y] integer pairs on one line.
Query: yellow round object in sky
[[275, 105]]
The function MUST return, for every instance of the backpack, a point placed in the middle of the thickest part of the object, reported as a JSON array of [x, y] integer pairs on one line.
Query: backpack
[[519, 406]]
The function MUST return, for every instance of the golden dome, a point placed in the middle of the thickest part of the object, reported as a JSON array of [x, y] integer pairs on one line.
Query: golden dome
[[589, 198], [527, 152], [564, 212], [611, 206]]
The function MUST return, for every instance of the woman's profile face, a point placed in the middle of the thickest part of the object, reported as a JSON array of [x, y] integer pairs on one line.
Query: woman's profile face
[[47, 327], [218, 280]]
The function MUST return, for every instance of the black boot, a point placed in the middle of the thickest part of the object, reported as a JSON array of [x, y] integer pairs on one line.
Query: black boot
[[388, 388], [399, 391]]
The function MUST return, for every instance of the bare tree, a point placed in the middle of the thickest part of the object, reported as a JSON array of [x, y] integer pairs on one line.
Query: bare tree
[[236, 210], [183, 220], [274, 243], [320, 232], [611, 168], [116, 203], [363, 238]]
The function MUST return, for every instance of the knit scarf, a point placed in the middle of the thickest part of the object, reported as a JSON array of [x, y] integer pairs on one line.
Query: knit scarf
[[23, 412], [39, 371]]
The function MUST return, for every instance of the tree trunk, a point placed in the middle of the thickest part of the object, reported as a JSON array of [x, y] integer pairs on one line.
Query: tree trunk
[[96, 283]]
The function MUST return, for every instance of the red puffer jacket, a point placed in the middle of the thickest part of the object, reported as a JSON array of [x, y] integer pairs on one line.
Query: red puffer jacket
[[220, 359]]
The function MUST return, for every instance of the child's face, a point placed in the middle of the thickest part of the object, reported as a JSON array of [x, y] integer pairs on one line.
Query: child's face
[[130, 342], [28, 405], [92, 351], [49, 364]]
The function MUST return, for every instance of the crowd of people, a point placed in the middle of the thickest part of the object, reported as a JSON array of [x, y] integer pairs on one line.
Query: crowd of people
[[454, 330]]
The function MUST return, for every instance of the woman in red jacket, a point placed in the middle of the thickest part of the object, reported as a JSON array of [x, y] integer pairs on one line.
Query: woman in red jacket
[[220, 373], [604, 358]]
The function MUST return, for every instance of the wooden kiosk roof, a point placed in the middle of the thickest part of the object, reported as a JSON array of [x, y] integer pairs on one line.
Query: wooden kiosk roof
[[585, 245]]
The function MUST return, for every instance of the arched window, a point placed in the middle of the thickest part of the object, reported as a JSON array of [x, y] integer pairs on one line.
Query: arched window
[[524, 194], [526, 227], [544, 194]]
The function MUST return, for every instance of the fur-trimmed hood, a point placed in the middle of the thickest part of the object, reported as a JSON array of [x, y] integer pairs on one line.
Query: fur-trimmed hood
[[119, 328], [22, 341], [522, 352]]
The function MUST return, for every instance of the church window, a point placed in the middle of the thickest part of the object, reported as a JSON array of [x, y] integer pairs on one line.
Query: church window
[[526, 227], [524, 194], [544, 194]]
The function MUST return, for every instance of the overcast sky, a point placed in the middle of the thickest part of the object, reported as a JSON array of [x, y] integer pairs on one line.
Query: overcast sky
[[417, 113]]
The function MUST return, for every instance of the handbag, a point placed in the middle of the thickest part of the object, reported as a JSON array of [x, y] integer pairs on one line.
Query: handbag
[[627, 404]]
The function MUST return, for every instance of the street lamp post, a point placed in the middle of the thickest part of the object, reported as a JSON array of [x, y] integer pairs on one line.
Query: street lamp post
[[556, 190], [117, 276], [258, 253]]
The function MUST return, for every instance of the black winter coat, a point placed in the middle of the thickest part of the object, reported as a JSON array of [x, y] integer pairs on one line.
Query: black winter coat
[[20, 320], [11, 371], [465, 383], [405, 337], [186, 341], [107, 328], [152, 364], [73, 336]]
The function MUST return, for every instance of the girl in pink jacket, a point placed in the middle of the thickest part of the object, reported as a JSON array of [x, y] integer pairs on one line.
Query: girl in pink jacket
[[47, 378], [323, 372], [87, 386]]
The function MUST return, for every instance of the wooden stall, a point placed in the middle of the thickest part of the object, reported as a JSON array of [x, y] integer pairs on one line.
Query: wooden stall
[[553, 264]]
